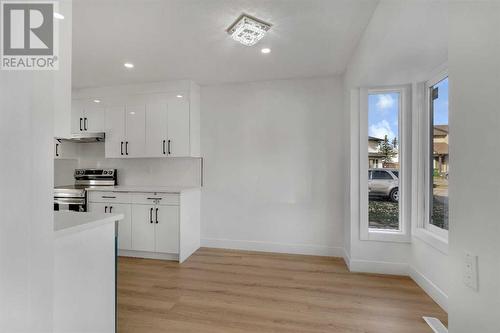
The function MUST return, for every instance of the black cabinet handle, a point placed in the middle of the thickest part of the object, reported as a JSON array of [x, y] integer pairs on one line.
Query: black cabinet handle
[[106, 209], [107, 197], [153, 198], [169, 147], [57, 149], [121, 147], [151, 215], [126, 148], [81, 128], [85, 123], [156, 215], [110, 208], [163, 147]]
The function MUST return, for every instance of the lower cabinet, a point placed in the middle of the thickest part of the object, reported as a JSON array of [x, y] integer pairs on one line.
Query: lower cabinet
[[124, 226], [146, 227]]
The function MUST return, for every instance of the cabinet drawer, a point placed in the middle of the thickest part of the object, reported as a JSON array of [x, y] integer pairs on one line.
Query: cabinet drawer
[[158, 198], [109, 197]]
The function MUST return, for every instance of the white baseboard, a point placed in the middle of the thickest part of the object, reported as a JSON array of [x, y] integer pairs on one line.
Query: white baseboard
[[347, 259], [378, 267], [438, 295], [273, 247], [148, 255], [436, 325]]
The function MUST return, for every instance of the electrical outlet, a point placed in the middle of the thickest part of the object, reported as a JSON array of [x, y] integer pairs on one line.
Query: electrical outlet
[[470, 271]]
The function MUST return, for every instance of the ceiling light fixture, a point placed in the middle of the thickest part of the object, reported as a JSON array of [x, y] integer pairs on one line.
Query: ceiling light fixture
[[248, 30], [97, 101], [58, 16], [266, 50], [179, 96], [128, 65]]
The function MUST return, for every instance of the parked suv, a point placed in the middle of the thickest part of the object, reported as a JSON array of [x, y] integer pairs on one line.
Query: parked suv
[[384, 183]]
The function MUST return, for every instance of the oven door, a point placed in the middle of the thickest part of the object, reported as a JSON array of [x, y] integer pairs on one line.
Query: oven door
[[70, 204]]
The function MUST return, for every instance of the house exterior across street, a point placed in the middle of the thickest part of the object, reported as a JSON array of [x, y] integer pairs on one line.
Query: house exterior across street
[[440, 149]]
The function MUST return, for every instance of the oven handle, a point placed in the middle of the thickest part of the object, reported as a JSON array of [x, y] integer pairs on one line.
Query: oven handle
[[69, 201]]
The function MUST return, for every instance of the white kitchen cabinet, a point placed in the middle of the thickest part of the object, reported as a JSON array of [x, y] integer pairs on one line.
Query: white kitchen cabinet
[[156, 133], [87, 116], [157, 225], [115, 131], [65, 150], [167, 229], [149, 120], [135, 130], [143, 228], [125, 128], [124, 226], [168, 128], [178, 129]]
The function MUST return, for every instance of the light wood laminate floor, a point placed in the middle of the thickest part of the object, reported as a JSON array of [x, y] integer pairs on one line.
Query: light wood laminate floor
[[237, 291]]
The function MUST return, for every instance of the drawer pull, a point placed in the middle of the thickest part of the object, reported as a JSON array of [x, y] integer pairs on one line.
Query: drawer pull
[[154, 198], [108, 197]]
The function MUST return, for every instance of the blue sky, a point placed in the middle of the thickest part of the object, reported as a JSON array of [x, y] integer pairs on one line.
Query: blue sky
[[383, 112]]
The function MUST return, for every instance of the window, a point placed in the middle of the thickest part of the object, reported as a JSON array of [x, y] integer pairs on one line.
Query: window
[[383, 150], [385, 164], [439, 162]]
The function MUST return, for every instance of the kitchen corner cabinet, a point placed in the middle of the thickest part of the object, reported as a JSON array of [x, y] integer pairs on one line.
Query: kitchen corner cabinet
[[153, 226]]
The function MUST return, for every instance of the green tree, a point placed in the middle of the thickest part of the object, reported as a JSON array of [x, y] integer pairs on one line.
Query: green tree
[[387, 149]]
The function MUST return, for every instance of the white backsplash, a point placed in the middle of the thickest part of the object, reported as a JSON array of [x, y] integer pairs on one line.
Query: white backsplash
[[134, 171]]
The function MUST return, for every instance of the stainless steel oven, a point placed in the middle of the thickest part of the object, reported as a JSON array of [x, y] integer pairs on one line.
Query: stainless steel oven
[[74, 197]]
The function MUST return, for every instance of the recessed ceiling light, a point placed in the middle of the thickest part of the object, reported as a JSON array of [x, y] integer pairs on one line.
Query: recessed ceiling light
[[97, 101], [266, 50], [179, 96], [58, 16], [128, 65], [248, 30]]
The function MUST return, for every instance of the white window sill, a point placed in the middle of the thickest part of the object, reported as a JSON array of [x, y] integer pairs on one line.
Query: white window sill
[[387, 236], [439, 243]]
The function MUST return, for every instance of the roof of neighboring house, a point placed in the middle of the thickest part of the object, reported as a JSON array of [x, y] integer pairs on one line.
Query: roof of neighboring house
[[440, 148], [372, 138], [440, 130]]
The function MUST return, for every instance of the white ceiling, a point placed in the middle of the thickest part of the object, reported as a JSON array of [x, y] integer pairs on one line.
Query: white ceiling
[[186, 39]]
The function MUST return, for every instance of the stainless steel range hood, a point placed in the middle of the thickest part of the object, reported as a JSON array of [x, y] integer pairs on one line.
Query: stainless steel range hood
[[85, 137]]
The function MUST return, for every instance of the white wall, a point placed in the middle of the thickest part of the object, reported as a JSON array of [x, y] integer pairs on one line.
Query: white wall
[[474, 47], [274, 166], [133, 171], [26, 216], [404, 43]]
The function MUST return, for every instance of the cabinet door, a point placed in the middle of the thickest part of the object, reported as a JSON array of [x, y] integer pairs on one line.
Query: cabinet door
[[124, 226], [167, 229], [94, 119], [143, 230], [100, 207], [76, 116], [114, 127], [178, 127], [135, 124], [156, 130]]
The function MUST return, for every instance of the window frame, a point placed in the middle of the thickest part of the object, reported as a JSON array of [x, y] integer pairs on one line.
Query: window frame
[[428, 180], [421, 180], [404, 137]]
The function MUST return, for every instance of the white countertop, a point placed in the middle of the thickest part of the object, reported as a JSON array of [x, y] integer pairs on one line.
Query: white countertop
[[66, 222], [144, 189]]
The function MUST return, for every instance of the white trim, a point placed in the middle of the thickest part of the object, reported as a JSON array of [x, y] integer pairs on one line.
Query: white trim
[[378, 267], [247, 245], [432, 239], [436, 325], [438, 295], [405, 139], [148, 255], [347, 259]]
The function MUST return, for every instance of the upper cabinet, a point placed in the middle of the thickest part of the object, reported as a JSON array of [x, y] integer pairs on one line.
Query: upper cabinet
[[152, 120], [86, 117]]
